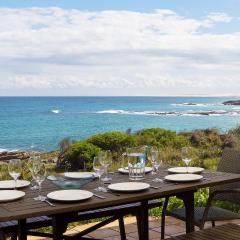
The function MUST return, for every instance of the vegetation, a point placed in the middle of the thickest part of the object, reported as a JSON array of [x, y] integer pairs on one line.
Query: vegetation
[[79, 155], [207, 144], [116, 142]]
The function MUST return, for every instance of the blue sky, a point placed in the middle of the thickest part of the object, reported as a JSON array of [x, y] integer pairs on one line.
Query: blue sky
[[186, 7], [127, 47]]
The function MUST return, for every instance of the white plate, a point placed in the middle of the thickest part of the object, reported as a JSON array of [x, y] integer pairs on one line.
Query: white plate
[[69, 195], [185, 170], [129, 186], [79, 175], [10, 195], [125, 170], [188, 177], [10, 184]]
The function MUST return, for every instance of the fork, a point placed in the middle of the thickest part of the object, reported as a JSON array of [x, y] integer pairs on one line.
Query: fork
[[113, 193], [44, 199], [154, 187], [99, 196]]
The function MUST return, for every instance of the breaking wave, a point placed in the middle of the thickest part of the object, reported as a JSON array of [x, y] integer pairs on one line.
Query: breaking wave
[[191, 104], [174, 113], [8, 150], [56, 111]]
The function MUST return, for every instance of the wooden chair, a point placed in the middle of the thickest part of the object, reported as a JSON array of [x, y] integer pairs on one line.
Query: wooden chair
[[225, 232], [230, 162]]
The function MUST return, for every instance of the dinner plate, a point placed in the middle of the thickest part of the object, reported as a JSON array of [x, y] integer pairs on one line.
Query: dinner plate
[[188, 177], [72, 195], [10, 195], [125, 170], [129, 186], [10, 184], [185, 170], [79, 175]]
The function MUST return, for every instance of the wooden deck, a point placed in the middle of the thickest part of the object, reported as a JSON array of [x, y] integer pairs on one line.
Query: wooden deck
[[111, 232]]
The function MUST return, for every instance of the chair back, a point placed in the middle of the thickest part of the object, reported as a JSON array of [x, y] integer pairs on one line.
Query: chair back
[[230, 162]]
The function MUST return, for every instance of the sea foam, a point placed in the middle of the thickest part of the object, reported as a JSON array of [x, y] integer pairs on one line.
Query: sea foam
[[233, 112], [56, 111]]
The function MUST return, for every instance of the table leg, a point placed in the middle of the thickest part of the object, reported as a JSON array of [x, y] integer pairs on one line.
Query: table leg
[[22, 229], [143, 219], [59, 227], [188, 199]]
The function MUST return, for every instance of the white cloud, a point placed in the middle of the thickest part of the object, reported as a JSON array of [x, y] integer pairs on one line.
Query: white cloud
[[157, 52]]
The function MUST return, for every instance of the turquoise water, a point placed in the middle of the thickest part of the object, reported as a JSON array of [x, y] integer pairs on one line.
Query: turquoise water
[[39, 123]]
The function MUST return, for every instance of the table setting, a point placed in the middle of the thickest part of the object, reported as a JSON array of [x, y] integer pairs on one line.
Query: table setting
[[142, 168], [71, 183]]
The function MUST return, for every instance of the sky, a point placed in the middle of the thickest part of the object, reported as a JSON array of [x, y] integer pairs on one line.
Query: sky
[[115, 48]]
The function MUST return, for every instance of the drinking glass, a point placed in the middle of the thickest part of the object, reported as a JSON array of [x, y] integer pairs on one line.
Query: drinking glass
[[15, 169], [136, 162], [154, 157], [105, 159], [187, 156], [99, 170], [31, 164], [39, 175]]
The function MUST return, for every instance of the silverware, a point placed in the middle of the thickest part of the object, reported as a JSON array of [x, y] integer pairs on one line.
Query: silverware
[[158, 180], [154, 187], [115, 194], [44, 199], [98, 196]]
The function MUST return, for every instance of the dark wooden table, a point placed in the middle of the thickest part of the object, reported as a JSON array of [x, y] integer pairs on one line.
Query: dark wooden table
[[27, 207]]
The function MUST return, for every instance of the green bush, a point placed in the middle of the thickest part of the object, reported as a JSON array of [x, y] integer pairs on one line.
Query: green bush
[[206, 138], [78, 156], [113, 141], [161, 138]]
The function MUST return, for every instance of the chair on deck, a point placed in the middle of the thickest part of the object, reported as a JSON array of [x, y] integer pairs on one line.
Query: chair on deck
[[230, 162], [111, 214], [225, 232]]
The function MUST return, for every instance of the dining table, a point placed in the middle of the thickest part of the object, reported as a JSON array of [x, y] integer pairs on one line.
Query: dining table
[[27, 207]]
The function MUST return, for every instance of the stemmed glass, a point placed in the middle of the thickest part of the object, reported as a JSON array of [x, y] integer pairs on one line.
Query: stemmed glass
[[15, 169], [153, 156], [187, 156], [105, 159], [99, 170], [32, 163], [39, 175]]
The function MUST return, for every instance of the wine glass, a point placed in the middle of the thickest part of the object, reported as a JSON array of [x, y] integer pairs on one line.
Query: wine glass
[[39, 175], [99, 170], [153, 156], [187, 156], [15, 169], [105, 159], [32, 163], [154, 159]]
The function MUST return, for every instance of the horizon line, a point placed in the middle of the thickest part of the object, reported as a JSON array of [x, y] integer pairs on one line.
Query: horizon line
[[234, 96]]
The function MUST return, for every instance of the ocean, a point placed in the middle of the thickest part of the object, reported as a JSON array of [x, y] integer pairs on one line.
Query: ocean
[[40, 123]]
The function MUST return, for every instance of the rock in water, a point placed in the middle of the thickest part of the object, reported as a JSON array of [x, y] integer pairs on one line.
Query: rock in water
[[232, 102]]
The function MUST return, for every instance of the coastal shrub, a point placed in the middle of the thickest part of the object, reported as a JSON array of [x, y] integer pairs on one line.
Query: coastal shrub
[[78, 156], [235, 131], [231, 141], [64, 144], [161, 138], [206, 138], [114, 141]]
